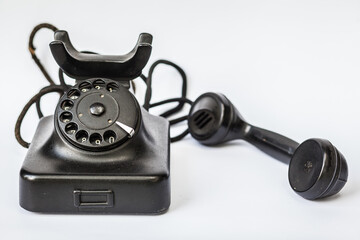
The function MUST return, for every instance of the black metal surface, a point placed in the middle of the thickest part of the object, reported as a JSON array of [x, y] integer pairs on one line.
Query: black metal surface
[[82, 66]]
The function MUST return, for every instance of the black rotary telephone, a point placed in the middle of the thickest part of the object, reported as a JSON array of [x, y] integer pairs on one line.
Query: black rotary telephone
[[101, 152]]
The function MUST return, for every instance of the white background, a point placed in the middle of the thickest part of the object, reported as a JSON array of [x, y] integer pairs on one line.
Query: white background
[[288, 66]]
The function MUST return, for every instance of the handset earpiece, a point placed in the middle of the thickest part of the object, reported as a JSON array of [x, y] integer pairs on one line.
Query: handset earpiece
[[316, 168]]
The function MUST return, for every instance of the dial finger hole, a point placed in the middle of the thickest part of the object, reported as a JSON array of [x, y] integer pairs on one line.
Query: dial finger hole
[[95, 139], [71, 128], [82, 136], [85, 86], [99, 84], [67, 105], [73, 94], [109, 136], [66, 117], [112, 87]]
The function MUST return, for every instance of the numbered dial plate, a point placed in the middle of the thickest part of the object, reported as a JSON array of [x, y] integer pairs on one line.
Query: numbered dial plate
[[97, 114]]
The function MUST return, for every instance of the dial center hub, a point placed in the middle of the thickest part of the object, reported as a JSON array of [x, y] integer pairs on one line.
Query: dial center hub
[[97, 109]]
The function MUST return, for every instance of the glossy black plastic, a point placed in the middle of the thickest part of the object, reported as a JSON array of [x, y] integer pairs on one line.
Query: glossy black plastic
[[133, 178], [100, 152], [317, 169], [81, 65], [98, 105], [213, 120]]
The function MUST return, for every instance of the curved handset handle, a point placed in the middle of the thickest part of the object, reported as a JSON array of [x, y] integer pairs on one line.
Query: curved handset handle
[[273, 144], [81, 66]]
